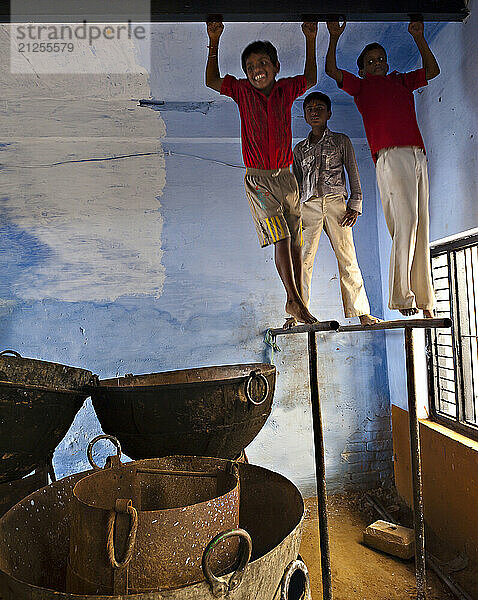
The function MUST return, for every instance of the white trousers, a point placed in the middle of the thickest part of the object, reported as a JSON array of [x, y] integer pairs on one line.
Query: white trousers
[[326, 213], [402, 179]]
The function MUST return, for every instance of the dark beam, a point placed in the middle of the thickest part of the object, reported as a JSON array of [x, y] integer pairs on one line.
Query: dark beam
[[400, 324], [251, 11], [318, 326], [334, 326]]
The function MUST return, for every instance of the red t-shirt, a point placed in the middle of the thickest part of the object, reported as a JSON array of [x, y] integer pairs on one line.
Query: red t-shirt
[[265, 121], [387, 106]]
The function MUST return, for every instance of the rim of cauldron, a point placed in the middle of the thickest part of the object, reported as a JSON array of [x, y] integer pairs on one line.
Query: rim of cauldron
[[129, 382], [146, 595], [81, 389], [130, 466]]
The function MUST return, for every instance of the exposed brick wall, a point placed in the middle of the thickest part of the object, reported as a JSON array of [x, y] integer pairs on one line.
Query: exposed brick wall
[[367, 456]]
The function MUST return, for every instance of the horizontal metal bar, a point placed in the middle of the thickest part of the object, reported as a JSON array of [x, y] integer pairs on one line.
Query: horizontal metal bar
[[230, 10], [335, 326], [446, 378], [319, 326], [399, 324], [458, 244]]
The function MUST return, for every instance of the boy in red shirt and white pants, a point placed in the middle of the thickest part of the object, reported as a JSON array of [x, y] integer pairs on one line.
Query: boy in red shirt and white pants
[[388, 110], [265, 109]]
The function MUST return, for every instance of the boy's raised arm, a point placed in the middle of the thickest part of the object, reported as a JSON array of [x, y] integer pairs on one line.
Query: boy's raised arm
[[213, 77], [335, 31], [309, 29], [416, 30]]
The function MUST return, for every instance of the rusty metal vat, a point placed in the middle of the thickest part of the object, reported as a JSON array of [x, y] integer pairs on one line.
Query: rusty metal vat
[[34, 540], [210, 411], [12, 492], [137, 528], [38, 402]]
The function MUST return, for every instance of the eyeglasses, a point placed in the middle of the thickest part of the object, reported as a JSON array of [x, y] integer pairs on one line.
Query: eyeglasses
[[380, 59]]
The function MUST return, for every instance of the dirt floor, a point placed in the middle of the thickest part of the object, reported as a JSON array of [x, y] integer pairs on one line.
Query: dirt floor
[[359, 572]]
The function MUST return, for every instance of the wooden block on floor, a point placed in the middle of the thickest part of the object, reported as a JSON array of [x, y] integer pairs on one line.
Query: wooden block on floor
[[390, 538]]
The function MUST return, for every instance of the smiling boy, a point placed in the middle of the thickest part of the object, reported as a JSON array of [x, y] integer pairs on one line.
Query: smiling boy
[[265, 110], [320, 162], [388, 110]]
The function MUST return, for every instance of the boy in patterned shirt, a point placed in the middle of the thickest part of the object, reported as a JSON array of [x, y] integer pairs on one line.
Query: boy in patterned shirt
[[320, 162]]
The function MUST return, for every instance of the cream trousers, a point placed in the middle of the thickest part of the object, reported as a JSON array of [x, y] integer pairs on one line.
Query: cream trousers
[[327, 213], [402, 179]]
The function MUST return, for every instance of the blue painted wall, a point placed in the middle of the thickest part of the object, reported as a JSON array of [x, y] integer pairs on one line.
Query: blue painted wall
[[151, 263], [447, 111]]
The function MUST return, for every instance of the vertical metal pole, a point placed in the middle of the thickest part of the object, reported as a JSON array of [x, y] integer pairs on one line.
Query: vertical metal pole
[[419, 521], [320, 468]]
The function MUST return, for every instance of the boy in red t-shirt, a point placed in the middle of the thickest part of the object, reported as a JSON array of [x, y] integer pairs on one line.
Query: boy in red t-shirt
[[387, 106], [265, 109]]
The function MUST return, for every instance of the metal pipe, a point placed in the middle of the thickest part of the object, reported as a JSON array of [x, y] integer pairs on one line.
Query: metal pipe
[[335, 326], [456, 589], [320, 468], [380, 509], [419, 521], [408, 325], [399, 324], [318, 326]]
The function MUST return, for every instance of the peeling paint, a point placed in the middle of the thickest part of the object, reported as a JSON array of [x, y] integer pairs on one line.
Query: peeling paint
[[89, 230]]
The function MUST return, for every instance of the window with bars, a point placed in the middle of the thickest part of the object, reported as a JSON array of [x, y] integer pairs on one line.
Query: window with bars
[[453, 354]]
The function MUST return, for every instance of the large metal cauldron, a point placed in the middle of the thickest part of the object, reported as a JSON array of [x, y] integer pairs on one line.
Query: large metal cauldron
[[210, 411], [165, 519], [34, 540], [38, 402]]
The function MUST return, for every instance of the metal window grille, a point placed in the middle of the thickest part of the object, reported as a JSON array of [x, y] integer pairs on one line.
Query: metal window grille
[[453, 354]]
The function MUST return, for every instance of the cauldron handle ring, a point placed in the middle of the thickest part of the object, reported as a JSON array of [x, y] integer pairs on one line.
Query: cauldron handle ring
[[5, 352], [104, 436], [221, 588], [122, 506], [293, 567], [252, 376]]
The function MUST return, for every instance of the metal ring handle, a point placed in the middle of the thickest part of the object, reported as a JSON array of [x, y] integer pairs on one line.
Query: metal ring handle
[[218, 587], [5, 352], [104, 436], [253, 375], [110, 545], [294, 567]]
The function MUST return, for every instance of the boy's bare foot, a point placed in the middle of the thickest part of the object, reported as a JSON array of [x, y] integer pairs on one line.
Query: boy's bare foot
[[290, 322], [408, 312], [369, 320], [428, 314], [299, 311]]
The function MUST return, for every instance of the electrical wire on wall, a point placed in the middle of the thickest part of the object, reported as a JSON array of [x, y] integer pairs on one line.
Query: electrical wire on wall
[[124, 156]]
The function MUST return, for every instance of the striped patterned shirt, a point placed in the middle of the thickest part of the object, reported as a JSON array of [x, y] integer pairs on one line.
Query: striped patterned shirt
[[319, 168], [265, 120]]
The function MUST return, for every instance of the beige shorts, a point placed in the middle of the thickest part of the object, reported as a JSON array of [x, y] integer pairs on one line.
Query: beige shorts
[[275, 205]]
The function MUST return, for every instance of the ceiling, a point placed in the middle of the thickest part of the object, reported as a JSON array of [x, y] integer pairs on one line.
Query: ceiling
[[98, 11]]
